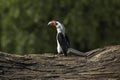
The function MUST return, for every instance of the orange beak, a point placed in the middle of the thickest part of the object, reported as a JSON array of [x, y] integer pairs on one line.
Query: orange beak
[[52, 23]]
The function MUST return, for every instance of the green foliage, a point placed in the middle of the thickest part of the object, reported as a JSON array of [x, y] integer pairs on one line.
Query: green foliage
[[89, 24]]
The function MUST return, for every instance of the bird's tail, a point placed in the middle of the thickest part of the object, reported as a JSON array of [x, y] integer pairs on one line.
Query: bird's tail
[[76, 52]]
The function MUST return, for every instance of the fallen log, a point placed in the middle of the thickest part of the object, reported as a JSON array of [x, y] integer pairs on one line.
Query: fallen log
[[101, 64]]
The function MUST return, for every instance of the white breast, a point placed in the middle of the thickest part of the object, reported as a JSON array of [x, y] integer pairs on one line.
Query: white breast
[[59, 49]]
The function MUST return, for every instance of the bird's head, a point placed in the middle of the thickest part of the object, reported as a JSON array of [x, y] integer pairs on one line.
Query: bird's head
[[57, 24]]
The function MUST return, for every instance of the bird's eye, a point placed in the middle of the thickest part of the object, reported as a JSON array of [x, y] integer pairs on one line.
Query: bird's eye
[[56, 23]]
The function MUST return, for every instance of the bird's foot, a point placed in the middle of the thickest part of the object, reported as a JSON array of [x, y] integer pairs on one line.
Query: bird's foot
[[59, 55]]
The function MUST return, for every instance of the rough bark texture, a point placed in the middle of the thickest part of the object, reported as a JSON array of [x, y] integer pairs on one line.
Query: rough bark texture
[[101, 64]]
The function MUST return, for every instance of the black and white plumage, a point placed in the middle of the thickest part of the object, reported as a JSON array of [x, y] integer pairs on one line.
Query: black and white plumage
[[63, 44]]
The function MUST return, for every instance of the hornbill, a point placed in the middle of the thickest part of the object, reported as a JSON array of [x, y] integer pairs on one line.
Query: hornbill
[[63, 44]]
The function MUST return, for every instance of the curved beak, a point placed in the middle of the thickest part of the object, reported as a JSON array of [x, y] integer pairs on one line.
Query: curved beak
[[49, 23], [52, 23]]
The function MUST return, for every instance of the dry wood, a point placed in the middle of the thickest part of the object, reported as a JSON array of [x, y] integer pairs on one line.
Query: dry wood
[[101, 64]]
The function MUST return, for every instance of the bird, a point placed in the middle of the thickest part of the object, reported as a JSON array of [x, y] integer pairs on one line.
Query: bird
[[63, 43]]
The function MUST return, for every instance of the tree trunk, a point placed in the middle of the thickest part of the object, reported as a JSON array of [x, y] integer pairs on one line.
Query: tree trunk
[[101, 64]]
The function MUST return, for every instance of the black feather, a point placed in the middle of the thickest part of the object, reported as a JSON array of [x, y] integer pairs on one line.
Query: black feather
[[64, 43]]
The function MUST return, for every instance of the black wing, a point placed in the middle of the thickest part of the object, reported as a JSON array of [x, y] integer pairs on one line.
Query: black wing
[[63, 43], [68, 42]]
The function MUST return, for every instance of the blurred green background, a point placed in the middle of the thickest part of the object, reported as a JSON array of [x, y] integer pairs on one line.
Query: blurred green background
[[89, 24]]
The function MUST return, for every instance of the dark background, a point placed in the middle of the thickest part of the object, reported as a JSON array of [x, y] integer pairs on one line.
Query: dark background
[[89, 24]]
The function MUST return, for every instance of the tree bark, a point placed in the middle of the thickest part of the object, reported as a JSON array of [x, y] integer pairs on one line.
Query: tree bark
[[101, 64]]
